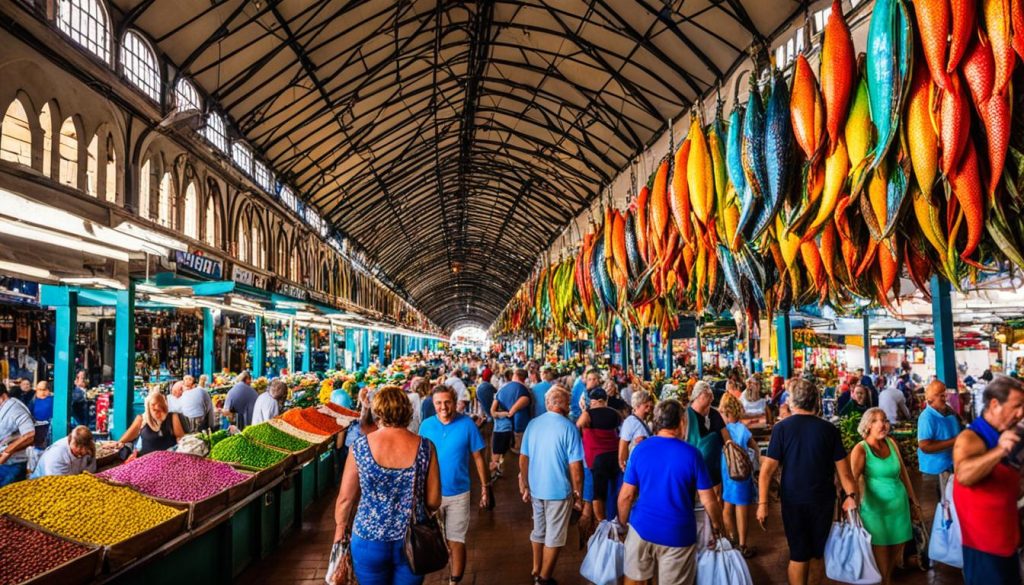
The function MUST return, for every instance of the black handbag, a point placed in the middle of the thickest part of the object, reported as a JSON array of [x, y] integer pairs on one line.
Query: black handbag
[[425, 546]]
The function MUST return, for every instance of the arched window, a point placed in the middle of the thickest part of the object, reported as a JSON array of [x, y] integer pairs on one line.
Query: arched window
[[264, 178], [85, 21], [215, 132], [16, 135], [46, 123], [191, 226], [91, 166], [186, 97], [259, 249], [69, 153], [210, 237], [289, 199], [242, 156], [145, 189], [110, 189], [165, 202], [139, 65], [242, 251]]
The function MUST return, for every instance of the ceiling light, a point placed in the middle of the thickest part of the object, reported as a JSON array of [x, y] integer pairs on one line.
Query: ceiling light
[[25, 231], [25, 270]]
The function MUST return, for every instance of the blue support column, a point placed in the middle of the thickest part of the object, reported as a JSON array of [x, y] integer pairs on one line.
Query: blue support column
[[784, 344], [867, 338], [529, 346], [64, 362], [749, 357], [259, 348], [332, 354], [365, 362], [208, 357], [350, 349], [700, 357], [945, 349], [124, 362], [645, 353], [307, 353], [380, 348]]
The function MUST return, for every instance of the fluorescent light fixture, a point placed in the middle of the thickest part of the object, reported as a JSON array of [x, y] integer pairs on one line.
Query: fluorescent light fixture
[[22, 230], [235, 301], [25, 270]]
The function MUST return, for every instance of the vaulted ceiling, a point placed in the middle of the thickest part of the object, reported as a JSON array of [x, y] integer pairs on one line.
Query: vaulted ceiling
[[454, 141]]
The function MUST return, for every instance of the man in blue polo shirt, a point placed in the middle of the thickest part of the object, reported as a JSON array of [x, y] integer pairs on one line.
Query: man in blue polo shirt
[[456, 439], [937, 429]]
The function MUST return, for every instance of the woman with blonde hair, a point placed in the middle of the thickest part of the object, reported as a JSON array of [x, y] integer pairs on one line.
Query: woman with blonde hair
[[738, 495], [159, 429], [390, 474], [889, 504]]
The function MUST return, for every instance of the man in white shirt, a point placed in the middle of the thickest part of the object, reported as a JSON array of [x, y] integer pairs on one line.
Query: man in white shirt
[[892, 401], [455, 383], [17, 432], [69, 456], [268, 404]]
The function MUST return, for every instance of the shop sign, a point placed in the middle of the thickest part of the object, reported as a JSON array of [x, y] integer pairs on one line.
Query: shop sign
[[320, 297], [290, 290], [248, 278], [199, 265]]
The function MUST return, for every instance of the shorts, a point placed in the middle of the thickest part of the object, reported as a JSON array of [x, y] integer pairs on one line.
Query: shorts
[[807, 526], [605, 476], [982, 568], [550, 522], [12, 472], [588, 484], [455, 511], [671, 564], [501, 441]]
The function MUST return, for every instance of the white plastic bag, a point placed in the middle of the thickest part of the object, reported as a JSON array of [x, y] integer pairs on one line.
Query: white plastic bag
[[604, 563], [339, 567], [946, 545], [722, 565], [848, 556]]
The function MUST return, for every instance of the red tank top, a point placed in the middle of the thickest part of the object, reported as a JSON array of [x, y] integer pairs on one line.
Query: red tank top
[[988, 510]]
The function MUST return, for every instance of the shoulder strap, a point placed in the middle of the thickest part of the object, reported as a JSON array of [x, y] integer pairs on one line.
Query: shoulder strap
[[642, 423], [424, 445]]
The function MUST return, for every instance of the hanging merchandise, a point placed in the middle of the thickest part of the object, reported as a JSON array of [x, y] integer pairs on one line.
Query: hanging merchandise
[[821, 189]]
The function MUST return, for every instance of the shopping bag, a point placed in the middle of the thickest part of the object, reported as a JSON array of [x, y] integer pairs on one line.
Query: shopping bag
[[848, 556], [915, 553], [339, 568], [722, 565], [946, 542], [604, 563], [704, 530]]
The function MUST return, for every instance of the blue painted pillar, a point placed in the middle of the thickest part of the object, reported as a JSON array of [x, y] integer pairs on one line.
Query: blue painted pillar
[[307, 354], [380, 348], [350, 349], [124, 362], [700, 356], [365, 333], [208, 353], [259, 348], [645, 353], [749, 357], [529, 346], [784, 344], [867, 336], [332, 354], [945, 349], [64, 362]]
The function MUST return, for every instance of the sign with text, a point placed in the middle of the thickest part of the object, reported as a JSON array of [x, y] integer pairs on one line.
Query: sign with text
[[290, 290], [199, 265], [248, 277]]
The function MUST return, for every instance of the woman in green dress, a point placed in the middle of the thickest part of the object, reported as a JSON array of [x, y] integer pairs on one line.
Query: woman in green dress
[[889, 504]]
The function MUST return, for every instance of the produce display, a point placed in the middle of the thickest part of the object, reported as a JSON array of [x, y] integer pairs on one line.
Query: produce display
[[280, 424], [309, 420], [176, 476], [821, 189], [67, 506], [212, 439], [27, 553], [269, 435], [342, 410], [238, 449]]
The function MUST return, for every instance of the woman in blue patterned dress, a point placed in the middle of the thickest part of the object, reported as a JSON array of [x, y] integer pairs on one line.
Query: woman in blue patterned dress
[[379, 475]]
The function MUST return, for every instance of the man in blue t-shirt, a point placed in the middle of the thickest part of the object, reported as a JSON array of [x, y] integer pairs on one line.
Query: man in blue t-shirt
[[937, 430], [510, 404], [540, 389], [551, 479], [456, 439], [581, 390], [656, 502]]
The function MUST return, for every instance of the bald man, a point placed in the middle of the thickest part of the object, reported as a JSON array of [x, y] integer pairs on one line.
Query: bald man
[[937, 429]]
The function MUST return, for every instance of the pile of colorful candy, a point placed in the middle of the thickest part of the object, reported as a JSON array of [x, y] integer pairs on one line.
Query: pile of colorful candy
[[83, 508], [176, 476], [27, 553]]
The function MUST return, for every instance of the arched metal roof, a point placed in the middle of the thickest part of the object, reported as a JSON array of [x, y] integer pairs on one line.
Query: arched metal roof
[[453, 141]]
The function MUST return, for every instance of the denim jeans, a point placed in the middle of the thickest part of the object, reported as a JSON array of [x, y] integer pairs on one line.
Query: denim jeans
[[381, 563], [12, 472]]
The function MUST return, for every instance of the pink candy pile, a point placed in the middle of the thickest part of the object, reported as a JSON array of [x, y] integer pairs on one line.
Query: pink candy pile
[[176, 476]]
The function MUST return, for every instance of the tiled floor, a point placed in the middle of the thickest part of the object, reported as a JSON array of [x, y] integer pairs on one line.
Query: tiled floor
[[499, 550]]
